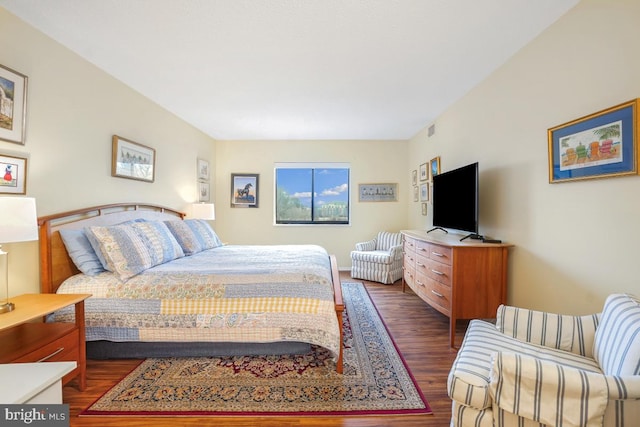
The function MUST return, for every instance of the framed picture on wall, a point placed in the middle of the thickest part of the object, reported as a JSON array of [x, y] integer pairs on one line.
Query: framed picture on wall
[[424, 172], [435, 166], [13, 105], [244, 190], [14, 174], [600, 145], [203, 192], [132, 160], [424, 192], [378, 192], [203, 170]]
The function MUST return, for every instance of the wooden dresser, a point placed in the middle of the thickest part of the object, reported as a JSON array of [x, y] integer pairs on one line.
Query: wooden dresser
[[461, 279]]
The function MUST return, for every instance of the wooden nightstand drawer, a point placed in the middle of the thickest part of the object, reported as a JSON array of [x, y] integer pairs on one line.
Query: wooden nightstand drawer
[[64, 348]]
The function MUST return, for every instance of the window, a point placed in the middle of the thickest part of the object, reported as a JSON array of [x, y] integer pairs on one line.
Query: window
[[312, 193]]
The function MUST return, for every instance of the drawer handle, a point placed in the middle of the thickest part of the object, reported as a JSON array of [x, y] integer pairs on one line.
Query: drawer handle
[[438, 294], [419, 264], [44, 359], [422, 249], [437, 254], [439, 273], [419, 283]]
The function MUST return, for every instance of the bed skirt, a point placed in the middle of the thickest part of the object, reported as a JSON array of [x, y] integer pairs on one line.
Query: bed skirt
[[141, 350]]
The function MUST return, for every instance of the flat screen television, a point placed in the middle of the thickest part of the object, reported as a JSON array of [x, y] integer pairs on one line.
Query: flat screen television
[[455, 200]]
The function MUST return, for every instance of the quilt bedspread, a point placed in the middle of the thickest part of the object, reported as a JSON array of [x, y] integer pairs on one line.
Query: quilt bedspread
[[232, 293]]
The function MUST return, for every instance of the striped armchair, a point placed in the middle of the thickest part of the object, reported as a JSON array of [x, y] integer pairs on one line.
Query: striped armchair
[[378, 260], [540, 369]]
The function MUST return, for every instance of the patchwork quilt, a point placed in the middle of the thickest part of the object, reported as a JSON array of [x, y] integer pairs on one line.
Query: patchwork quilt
[[232, 293]]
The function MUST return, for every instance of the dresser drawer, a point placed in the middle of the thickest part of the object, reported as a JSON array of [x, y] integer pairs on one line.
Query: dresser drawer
[[441, 254], [422, 248], [409, 259], [438, 271], [438, 295], [409, 245], [409, 274]]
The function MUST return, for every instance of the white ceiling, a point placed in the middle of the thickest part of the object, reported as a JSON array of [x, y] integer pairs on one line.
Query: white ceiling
[[297, 69]]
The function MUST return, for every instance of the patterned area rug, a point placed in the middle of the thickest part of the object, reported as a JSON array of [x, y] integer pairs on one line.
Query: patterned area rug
[[376, 379]]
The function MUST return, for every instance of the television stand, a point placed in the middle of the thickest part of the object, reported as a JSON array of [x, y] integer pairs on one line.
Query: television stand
[[437, 228], [473, 236]]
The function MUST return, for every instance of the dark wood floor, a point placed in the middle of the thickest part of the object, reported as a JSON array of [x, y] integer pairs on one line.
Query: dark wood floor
[[420, 332]]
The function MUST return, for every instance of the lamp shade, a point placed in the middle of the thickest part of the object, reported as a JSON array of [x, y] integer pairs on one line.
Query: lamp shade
[[203, 211], [18, 219]]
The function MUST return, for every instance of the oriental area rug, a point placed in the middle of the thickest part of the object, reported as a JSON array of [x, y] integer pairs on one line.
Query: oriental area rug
[[376, 380]]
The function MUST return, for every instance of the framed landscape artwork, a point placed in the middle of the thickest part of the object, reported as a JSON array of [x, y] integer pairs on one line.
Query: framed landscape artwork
[[13, 105], [132, 160], [602, 144]]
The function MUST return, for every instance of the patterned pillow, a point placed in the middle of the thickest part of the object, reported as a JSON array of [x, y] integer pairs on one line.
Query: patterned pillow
[[617, 340], [194, 235], [129, 249]]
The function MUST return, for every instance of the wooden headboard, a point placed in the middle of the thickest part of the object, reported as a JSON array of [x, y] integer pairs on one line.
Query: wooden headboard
[[55, 263]]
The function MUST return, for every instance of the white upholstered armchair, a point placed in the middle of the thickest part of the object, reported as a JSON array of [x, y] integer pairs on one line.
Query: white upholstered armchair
[[533, 368], [379, 259]]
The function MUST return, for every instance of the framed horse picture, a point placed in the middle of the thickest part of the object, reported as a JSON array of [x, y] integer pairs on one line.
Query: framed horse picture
[[244, 190]]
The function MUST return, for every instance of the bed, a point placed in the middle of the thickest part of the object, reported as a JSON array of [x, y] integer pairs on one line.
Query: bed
[[215, 299]]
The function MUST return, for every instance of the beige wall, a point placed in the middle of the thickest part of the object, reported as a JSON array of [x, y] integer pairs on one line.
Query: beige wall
[[574, 242], [73, 110], [371, 161]]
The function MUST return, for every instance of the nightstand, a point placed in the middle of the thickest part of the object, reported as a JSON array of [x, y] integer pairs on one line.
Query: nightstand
[[26, 338]]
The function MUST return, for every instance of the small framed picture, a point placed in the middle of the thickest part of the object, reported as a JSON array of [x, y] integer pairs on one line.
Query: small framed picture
[[14, 175], [378, 192], [435, 166], [424, 192], [416, 193], [424, 209], [424, 172], [244, 190], [203, 192], [13, 105], [414, 177], [132, 160], [203, 170]]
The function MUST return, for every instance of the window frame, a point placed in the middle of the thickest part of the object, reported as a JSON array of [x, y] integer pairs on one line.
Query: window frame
[[312, 166]]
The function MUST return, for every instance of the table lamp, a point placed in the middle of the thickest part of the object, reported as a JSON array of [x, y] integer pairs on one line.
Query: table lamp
[[18, 223], [203, 211]]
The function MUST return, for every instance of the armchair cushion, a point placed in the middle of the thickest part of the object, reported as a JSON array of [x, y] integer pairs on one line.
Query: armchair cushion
[[564, 332], [548, 392], [617, 339]]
